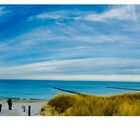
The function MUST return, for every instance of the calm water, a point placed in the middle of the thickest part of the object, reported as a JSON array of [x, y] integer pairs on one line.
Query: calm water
[[42, 89]]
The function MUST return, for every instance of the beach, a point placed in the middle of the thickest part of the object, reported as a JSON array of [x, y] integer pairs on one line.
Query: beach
[[17, 109]]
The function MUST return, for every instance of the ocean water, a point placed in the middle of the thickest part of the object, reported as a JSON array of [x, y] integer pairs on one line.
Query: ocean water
[[43, 89]]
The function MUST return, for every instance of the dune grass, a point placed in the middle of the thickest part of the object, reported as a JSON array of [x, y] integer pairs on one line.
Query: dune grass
[[85, 105]]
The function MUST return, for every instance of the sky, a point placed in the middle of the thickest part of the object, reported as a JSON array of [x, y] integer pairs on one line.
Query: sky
[[70, 42]]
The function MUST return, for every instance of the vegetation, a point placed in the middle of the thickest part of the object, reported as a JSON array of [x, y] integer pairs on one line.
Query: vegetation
[[127, 104]]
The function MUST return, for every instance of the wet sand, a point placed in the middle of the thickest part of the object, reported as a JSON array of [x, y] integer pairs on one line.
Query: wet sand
[[17, 109]]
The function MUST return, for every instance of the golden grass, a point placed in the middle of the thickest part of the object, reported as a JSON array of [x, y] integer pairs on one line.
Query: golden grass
[[86, 105]]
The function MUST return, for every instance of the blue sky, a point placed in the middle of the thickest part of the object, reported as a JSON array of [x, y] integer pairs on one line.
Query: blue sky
[[70, 42]]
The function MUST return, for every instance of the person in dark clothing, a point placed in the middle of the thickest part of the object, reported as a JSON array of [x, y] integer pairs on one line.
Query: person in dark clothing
[[0, 107], [9, 101]]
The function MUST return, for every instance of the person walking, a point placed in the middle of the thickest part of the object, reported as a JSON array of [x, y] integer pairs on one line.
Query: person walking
[[9, 101]]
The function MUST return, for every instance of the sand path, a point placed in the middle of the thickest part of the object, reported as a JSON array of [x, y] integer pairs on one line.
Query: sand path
[[10, 113], [18, 110]]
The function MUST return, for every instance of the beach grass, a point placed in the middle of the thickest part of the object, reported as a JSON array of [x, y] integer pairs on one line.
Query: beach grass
[[127, 104]]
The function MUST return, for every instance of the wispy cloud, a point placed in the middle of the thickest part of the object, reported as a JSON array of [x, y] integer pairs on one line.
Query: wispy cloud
[[2, 10], [101, 65], [127, 12], [67, 43], [50, 15], [80, 68]]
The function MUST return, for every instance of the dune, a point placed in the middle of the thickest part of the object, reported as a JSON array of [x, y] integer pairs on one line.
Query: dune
[[126, 104]]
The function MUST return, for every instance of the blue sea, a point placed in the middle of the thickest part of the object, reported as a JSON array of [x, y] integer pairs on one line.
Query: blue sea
[[43, 89]]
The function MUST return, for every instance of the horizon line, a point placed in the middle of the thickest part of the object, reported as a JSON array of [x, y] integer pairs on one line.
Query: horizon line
[[94, 80]]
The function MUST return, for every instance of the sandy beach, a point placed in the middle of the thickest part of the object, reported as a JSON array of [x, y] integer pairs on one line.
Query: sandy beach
[[17, 109]]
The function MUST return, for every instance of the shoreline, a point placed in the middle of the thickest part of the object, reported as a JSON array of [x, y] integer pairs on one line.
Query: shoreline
[[22, 99]]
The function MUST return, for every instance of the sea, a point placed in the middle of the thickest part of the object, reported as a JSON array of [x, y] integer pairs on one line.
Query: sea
[[43, 89]]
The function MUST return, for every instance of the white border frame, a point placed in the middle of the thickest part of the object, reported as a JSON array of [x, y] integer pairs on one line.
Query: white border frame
[[70, 2], [69, 128]]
